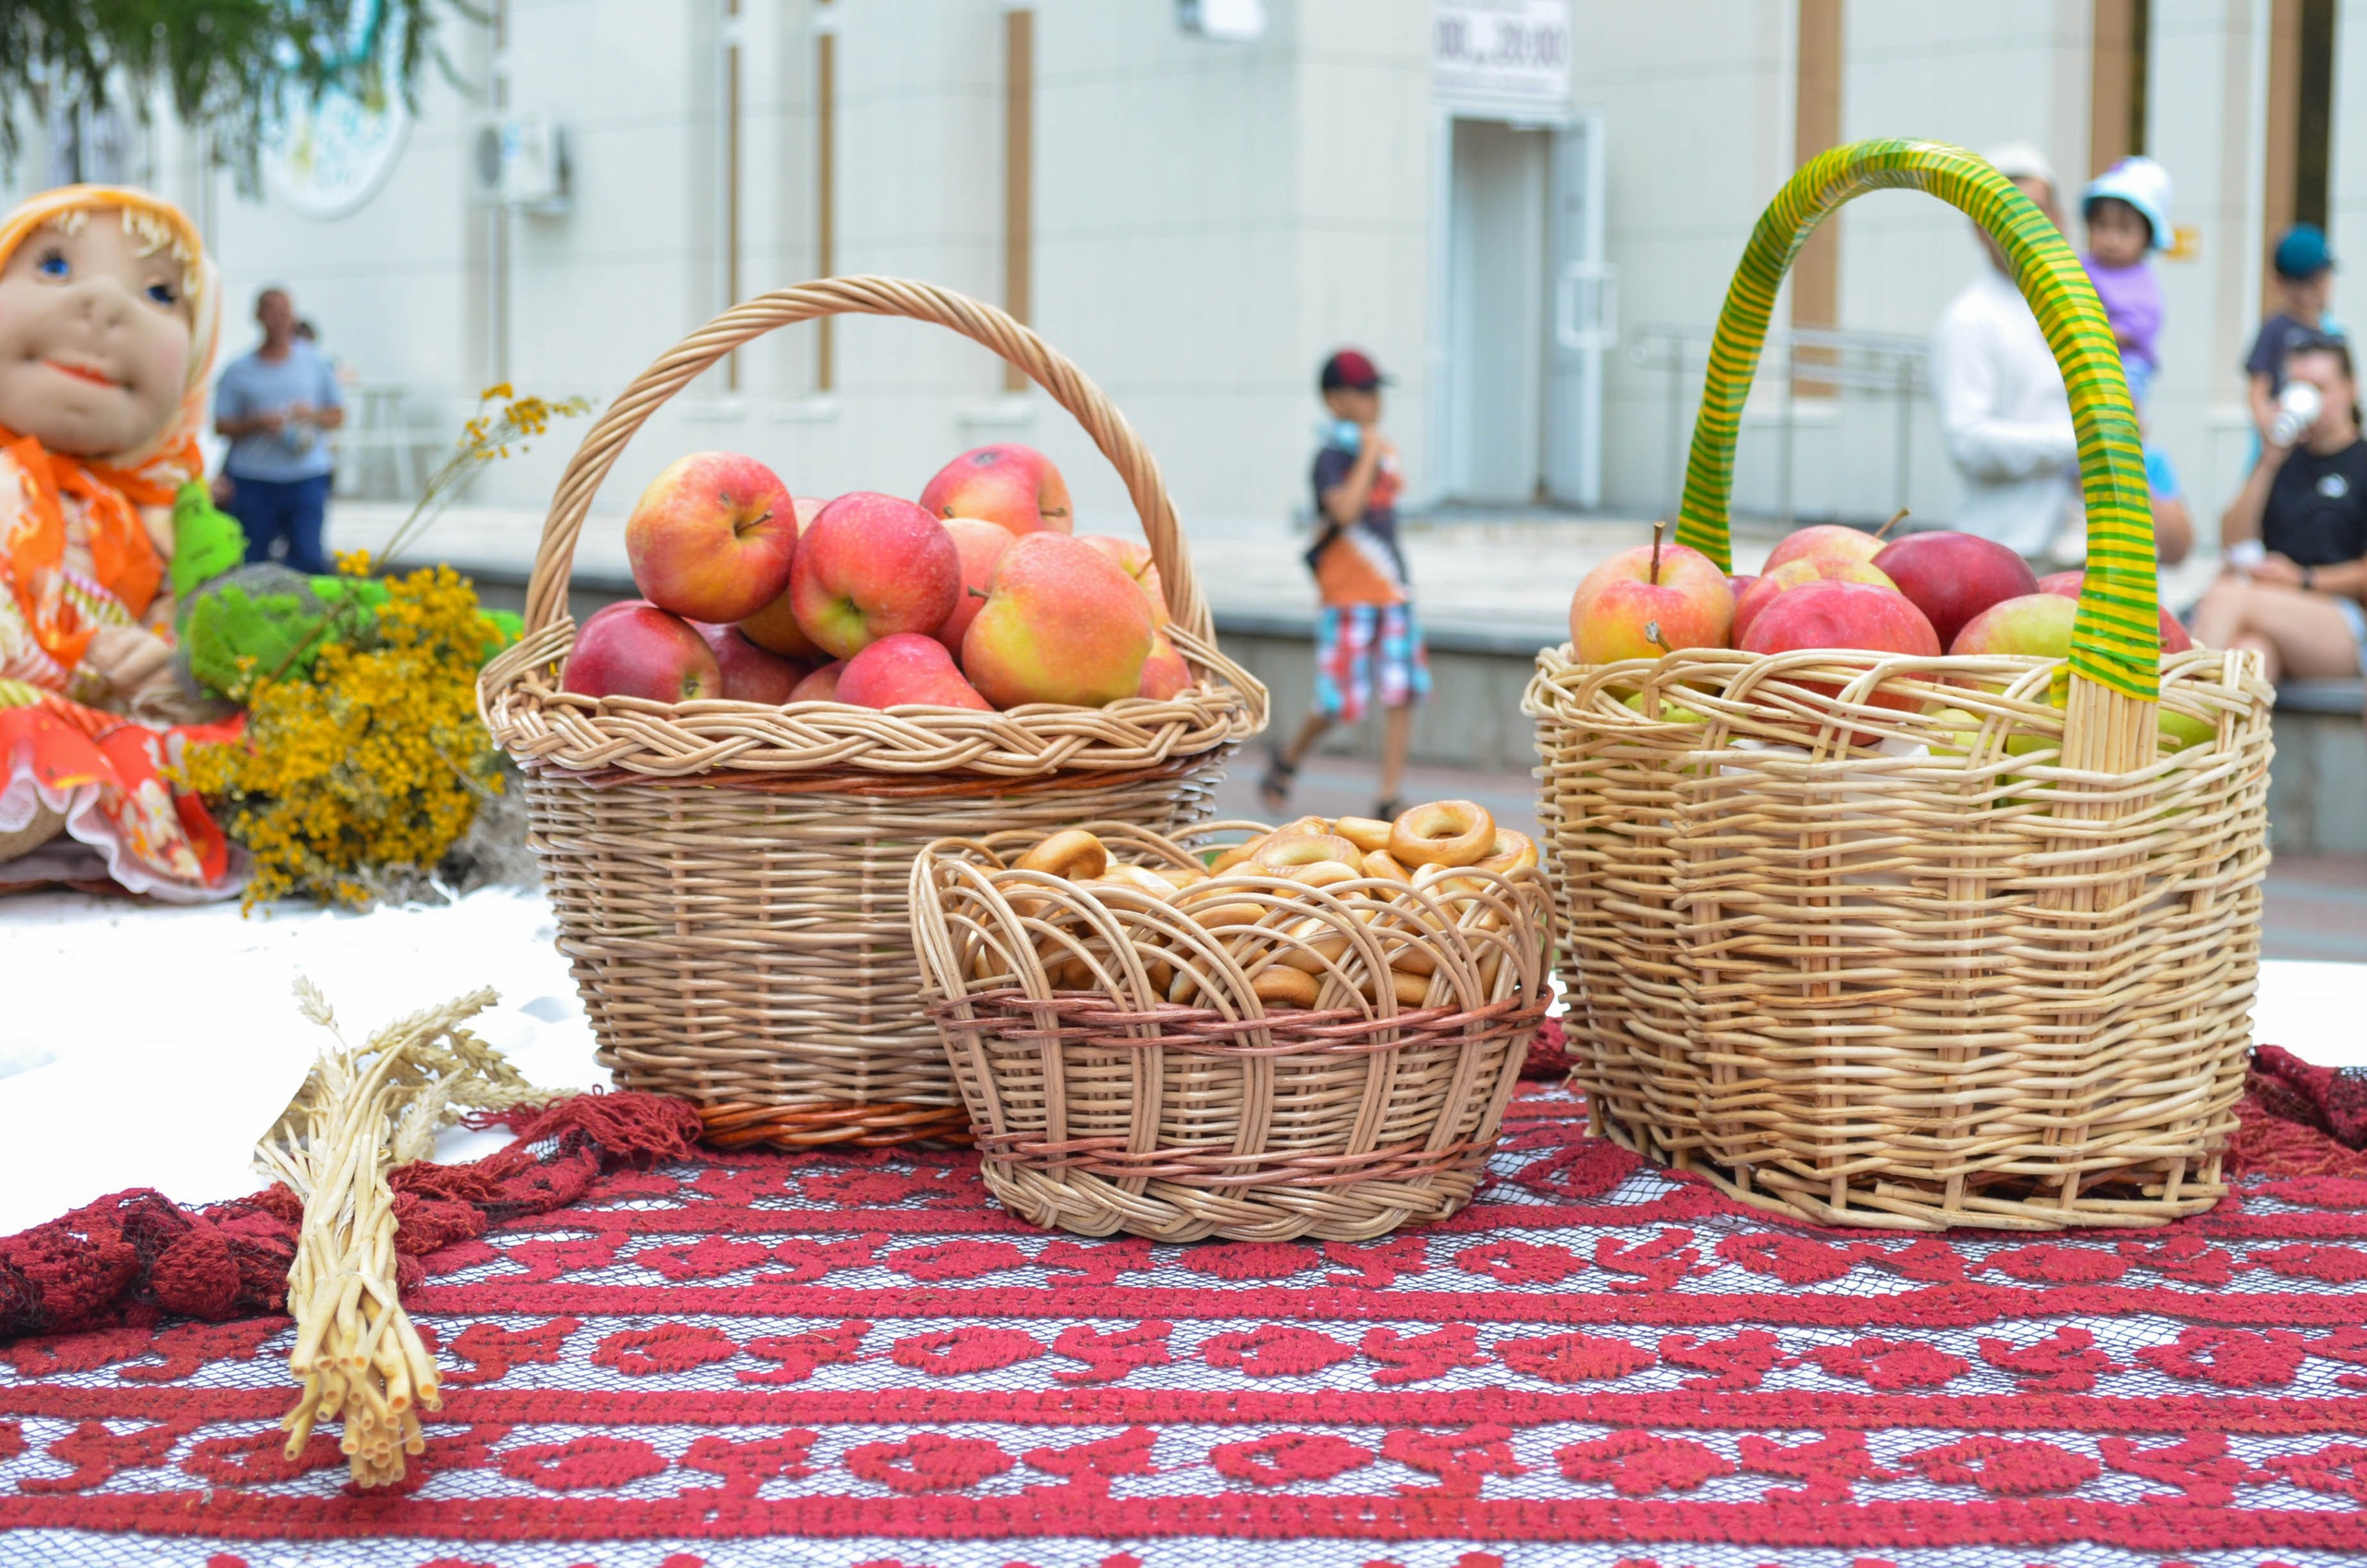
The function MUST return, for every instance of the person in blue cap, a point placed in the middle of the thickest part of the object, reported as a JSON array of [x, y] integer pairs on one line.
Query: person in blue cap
[[2304, 295], [2128, 210]]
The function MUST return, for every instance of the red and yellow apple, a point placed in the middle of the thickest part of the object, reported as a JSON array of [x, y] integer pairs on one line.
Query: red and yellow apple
[[1621, 611], [905, 668], [870, 566], [750, 674], [1824, 539], [981, 546], [1831, 613], [1953, 577], [773, 628], [822, 686], [634, 649], [1136, 561], [1061, 624], [713, 538], [1764, 590], [1164, 672], [1016, 486], [2176, 639], [2031, 625]]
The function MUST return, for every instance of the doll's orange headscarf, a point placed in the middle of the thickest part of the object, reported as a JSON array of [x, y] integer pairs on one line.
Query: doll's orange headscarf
[[109, 488]]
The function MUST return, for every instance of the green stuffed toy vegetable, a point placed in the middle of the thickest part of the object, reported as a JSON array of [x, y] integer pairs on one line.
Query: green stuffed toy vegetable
[[242, 624]]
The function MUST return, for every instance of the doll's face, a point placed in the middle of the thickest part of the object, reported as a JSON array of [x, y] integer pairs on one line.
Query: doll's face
[[94, 338]]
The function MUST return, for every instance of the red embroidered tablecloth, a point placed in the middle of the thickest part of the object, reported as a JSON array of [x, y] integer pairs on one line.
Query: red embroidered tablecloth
[[858, 1359]]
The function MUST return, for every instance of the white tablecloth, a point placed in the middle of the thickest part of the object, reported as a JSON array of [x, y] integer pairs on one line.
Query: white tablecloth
[[150, 1046]]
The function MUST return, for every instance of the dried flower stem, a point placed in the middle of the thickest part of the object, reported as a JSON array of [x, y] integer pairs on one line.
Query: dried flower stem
[[360, 1114]]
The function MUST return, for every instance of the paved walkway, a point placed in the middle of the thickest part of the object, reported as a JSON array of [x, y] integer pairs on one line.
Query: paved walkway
[[1498, 579]]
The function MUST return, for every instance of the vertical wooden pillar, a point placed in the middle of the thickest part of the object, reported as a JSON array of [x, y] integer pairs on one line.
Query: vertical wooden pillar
[[826, 164], [2116, 82], [1018, 173], [2284, 126], [1816, 127], [730, 225]]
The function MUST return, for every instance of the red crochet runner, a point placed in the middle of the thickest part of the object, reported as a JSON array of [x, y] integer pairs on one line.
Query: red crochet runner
[[855, 1358]]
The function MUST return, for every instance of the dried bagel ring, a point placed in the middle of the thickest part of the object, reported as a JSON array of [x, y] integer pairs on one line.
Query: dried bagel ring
[[1381, 866], [1443, 833], [1072, 854], [1324, 872], [1509, 853], [1368, 833], [1234, 856], [1284, 985], [1138, 878], [1283, 857]]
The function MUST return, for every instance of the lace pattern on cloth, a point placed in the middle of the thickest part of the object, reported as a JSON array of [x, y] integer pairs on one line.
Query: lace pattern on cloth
[[855, 1358]]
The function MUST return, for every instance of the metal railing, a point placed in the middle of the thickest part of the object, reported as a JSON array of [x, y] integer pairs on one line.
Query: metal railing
[[1801, 363]]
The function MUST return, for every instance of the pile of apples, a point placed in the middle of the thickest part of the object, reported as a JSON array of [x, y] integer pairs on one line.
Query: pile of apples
[[978, 597], [1836, 587]]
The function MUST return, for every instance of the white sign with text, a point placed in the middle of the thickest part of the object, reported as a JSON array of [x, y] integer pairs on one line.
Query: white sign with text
[[1505, 52]]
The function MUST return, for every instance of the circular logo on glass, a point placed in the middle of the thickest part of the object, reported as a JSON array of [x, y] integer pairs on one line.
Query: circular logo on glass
[[327, 158]]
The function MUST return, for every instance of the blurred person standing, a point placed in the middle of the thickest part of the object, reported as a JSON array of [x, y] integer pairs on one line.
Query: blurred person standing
[[1368, 643], [274, 405], [2304, 269], [2002, 411]]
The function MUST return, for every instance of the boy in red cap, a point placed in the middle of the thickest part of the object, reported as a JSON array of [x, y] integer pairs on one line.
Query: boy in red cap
[[1367, 642]]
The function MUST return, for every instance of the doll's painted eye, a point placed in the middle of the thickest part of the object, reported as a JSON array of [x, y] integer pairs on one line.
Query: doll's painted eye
[[53, 264], [164, 294]]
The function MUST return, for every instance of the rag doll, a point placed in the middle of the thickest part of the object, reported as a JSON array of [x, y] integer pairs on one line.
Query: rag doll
[[108, 313]]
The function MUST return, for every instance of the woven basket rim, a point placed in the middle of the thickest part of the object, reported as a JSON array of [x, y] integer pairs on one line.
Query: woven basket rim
[[518, 696]]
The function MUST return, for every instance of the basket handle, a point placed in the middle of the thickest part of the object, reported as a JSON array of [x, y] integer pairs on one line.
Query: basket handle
[[2116, 642], [982, 323]]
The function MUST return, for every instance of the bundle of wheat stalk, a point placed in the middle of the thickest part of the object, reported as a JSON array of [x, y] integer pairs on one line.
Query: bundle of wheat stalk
[[361, 1113]]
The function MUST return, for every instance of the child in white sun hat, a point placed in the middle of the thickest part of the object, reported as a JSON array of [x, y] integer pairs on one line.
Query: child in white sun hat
[[2127, 212]]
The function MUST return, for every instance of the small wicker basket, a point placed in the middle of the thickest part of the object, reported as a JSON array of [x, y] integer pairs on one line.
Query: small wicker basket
[[731, 879], [1859, 957], [1109, 1108]]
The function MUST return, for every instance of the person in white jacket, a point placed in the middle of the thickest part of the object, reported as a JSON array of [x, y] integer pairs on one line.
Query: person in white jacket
[[2002, 410]]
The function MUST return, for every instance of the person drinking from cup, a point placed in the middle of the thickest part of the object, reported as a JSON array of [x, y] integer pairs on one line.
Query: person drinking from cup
[[2296, 536], [1368, 643]]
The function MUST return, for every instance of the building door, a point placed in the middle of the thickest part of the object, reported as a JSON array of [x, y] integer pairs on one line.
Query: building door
[[1586, 317], [1496, 313]]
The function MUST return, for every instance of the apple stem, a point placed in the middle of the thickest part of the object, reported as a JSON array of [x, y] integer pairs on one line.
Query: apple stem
[[1657, 528], [1895, 519], [978, 594]]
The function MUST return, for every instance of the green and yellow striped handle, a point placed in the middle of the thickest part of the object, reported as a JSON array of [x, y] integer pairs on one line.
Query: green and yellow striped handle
[[2116, 640]]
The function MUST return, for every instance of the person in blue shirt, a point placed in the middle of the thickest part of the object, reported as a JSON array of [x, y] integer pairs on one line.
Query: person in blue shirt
[[276, 406]]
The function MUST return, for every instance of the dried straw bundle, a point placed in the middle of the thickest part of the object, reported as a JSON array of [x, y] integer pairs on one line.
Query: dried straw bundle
[[360, 1114]]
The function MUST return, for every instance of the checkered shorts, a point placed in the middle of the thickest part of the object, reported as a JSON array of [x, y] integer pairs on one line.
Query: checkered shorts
[[1368, 654]]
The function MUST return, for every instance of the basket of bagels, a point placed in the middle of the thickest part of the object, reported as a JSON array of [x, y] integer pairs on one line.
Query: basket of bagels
[[727, 778], [1311, 1031], [1900, 889]]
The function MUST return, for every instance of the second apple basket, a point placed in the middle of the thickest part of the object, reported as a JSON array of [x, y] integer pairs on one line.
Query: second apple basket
[[731, 879], [1917, 942]]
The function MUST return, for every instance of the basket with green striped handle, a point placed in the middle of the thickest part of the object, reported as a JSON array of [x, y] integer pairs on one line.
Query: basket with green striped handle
[[1917, 942]]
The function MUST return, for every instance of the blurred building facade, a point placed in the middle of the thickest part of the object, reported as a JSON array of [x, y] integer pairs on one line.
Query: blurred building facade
[[1527, 209]]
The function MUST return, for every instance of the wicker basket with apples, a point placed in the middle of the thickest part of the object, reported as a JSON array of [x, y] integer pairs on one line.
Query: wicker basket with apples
[[1896, 887], [728, 778]]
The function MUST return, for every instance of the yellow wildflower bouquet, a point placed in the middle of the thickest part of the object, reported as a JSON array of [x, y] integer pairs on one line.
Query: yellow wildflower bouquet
[[362, 763], [370, 768]]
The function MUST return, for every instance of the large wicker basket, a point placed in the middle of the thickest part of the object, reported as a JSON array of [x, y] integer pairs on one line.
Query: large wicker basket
[[731, 879], [1892, 965], [1109, 1107]]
